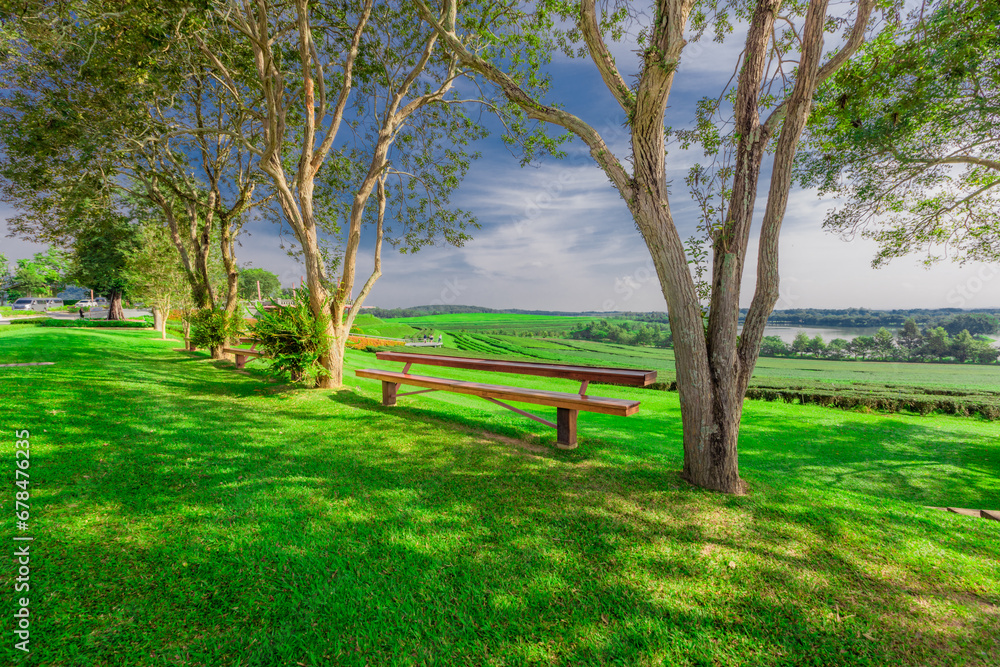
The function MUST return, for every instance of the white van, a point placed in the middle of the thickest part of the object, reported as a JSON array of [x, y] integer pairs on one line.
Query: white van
[[26, 303], [36, 303]]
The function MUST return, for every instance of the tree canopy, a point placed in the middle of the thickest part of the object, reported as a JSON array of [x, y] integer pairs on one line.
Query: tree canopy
[[39, 275], [270, 285], [907, 137], [101, 259]]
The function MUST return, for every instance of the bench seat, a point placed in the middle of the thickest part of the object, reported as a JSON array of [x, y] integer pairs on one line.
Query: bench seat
[[558, 399], [242, 355]]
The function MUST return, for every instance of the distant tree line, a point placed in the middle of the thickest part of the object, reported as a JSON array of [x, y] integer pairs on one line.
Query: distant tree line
[[862, 317], [43, 275], [625, 333], [441, 309], [908, 344]]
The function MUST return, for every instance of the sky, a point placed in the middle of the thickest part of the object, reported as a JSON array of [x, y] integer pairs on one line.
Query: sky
[[556, 235]]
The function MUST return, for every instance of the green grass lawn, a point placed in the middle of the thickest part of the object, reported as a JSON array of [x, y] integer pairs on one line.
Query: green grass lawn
[[370, 325], [185, 513]]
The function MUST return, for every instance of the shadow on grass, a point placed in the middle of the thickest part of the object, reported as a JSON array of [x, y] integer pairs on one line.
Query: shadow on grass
[[886, 457], [195, 520]]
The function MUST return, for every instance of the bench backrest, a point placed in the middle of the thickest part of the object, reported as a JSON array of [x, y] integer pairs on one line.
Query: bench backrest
[[627, 376]]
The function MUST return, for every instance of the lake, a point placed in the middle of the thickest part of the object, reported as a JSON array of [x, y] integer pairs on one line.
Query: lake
[[788, 333]]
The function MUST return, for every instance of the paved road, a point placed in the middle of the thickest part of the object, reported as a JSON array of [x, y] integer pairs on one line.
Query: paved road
[[92, 315], [100, 314]]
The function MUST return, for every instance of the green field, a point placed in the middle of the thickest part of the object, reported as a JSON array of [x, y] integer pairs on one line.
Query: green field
[[475, 322], [184, 513], [370, 325], [580, 351]]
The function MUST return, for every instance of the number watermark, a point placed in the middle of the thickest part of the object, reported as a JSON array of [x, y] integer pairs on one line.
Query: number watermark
[[22, 541]]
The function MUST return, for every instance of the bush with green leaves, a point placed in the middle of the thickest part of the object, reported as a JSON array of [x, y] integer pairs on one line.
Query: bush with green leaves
[[293, 339], [213, 327]]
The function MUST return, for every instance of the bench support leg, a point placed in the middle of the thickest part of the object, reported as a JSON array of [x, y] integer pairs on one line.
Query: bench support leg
[[389, 391], [566, 428], [241, 361]]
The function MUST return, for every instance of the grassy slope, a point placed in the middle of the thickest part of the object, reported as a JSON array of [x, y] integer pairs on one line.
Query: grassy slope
[[188, 514], [373, 326]]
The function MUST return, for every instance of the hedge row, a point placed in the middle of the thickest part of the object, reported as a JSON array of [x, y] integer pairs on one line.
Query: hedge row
[[922, 404], [364, 342], [878, 398], [105, 324]]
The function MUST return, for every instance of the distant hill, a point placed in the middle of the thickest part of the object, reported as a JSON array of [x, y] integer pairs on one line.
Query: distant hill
[[423, 311]]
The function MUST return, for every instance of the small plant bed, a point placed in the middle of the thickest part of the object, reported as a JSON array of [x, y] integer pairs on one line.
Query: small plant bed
[[359, 342]]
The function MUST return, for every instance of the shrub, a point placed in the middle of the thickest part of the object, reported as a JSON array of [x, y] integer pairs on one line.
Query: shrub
[[212, 327], [364, 342], [293, 339]]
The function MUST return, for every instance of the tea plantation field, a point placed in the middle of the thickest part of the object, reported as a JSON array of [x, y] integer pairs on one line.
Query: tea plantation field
[[890, 386]]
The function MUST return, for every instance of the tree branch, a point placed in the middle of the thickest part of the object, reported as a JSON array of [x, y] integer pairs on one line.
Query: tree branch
[[853, 43], [532, 107], [603, 59]]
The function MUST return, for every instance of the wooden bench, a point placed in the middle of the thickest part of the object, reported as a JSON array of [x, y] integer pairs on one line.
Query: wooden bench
[[242, 354], [567, 405]]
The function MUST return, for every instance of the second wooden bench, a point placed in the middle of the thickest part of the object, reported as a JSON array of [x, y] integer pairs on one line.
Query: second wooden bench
[[242, 354], [567, 405]]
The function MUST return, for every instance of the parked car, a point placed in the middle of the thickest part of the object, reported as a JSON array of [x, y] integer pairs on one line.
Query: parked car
[[99, 302], [36, 303]]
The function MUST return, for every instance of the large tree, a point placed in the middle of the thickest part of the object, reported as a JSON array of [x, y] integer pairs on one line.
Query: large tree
[[372, 69], [258, 283], [907, 136], [109, 101], [156, 275], [769, 104], [100, 258]]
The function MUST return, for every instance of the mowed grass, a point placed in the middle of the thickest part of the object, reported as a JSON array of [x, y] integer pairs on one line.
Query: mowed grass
[[185, 513], [370, 325]]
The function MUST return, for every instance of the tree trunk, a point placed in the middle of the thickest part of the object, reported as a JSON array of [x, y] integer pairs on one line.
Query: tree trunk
[[115, 310], [159, 321], [232, 274], [166, 318], [336, 357], [711, 408]]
